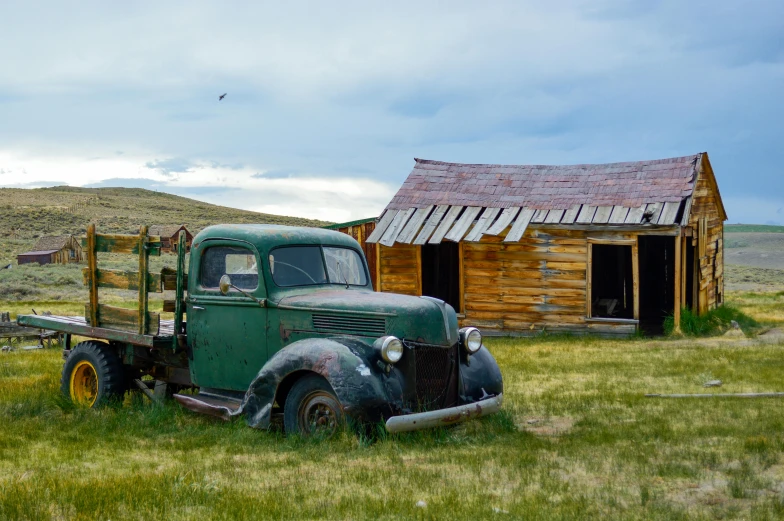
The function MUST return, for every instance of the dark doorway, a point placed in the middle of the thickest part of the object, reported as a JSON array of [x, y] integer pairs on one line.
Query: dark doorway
[[441, 272], [612, 281], [690, 270], [657, 285]]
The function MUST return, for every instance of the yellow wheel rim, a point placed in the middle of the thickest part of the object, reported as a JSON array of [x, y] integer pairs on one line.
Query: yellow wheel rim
[[84, 384]]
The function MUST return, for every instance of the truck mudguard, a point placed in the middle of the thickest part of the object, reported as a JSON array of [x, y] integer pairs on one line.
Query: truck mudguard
[[340, 361], [480, 378]]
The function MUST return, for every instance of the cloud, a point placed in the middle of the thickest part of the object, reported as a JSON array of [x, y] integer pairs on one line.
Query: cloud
[[170, 166]]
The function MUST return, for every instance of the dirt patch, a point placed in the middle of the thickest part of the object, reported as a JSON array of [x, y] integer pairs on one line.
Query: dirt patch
[[774, 336], [553, 426]]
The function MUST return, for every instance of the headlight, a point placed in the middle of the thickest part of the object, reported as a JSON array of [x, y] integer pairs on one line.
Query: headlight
[[390, 348], [471, 339]]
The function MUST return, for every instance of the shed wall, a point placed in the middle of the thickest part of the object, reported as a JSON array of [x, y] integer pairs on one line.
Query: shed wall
[[708, 240]]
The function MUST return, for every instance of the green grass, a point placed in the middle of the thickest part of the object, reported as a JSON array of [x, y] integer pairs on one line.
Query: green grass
[[577, 440], [714, 322], [753, 228]]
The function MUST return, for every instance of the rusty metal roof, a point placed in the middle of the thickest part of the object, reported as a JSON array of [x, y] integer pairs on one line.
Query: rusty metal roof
[[547, 187], [442, 200]]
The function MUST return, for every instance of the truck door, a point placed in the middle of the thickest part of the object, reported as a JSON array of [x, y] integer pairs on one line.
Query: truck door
[[226, 333]]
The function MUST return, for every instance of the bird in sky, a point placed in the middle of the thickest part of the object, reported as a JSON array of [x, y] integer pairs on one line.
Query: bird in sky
[[222, 96]]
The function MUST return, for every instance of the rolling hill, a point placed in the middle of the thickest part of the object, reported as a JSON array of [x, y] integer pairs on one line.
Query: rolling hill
[[26, 214]]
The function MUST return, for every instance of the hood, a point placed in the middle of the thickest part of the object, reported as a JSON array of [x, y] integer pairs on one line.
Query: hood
[[368, 313]]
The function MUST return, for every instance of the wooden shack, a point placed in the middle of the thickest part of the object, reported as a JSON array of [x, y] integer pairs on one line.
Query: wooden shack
[[361, 230], [60, 249], [606, 248], [170, 236]]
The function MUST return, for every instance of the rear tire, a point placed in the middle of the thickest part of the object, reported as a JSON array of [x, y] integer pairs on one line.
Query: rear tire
[[312, 409], [93, 375]]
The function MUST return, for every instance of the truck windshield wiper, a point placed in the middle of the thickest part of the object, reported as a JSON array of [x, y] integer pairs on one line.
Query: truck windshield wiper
[[340, 270]]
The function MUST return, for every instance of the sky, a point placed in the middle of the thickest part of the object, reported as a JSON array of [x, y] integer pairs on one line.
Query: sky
[[328, 103]]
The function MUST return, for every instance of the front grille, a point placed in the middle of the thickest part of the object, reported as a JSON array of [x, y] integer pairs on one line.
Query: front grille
[[364, 326], [434, 370]]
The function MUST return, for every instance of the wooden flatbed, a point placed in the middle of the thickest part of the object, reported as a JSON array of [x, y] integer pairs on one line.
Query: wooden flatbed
[[79, 326]]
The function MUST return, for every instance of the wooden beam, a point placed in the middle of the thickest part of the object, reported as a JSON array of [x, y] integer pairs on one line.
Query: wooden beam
[[461, 226], [446, 223], [677, 285], [92, 266], [686, 212], [618, 215], [602, 215], [586, 215], [461, 277], [127, 319], [554, 216], [113, 243], [484, 222], [636, 279], [669, 212], [589, 281], [120, 279], [520, 225], [169, 278], [571, 214], [419, 270], [390, 236], [144, 320], [506, 217], [180, 290], [431, 223], [414, 224], [382, 225]]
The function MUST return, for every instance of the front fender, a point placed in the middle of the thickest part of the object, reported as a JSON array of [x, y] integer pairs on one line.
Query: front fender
[[480, 377], [340, 361]]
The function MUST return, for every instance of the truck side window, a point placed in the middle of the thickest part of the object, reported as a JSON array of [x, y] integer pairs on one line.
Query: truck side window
[[238, 263]]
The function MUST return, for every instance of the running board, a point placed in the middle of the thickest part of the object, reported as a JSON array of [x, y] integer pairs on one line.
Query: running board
[[219, 406]]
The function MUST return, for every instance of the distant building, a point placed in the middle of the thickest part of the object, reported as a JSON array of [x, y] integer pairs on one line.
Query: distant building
[[170, 236], [61, 249]]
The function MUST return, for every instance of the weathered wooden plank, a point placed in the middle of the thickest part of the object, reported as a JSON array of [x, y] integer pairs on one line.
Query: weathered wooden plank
[[484, 222], [120, 279], [179, 308], [431, 224], [170, 306], [635, 215], [414, 224], [461, 226], [618, 215], [686, 212], [571, 214], [654, 211], [669, 212], [382, 226], [126, 319], [538, 216], [506, 217], [169, 279], [397, 225], [92, 266], [445, 225], [586, 215], [144, 320], [520, 225], [554, 216], [602, 215], [112, 243]]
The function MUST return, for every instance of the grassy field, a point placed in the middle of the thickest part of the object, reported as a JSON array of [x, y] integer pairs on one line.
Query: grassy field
[[577, 440], [753, 228]]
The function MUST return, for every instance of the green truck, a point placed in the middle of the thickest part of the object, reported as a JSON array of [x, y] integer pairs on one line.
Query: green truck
[[279, 324]]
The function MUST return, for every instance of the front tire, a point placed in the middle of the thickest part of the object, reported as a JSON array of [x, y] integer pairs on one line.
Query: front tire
[[93, 375], [312, 409]]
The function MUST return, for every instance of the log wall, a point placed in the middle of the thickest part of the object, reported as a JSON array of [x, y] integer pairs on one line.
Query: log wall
[[707, 227]]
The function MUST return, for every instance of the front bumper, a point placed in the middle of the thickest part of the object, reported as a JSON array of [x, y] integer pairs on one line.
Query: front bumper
[[443, 417]]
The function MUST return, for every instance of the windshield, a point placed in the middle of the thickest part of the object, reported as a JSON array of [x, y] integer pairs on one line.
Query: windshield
[[312, 265]]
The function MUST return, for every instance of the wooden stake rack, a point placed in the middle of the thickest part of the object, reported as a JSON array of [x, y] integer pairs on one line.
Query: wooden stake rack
[[140, 320]]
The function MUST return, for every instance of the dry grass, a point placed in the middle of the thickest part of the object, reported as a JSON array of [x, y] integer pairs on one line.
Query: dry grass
[[577, 440]]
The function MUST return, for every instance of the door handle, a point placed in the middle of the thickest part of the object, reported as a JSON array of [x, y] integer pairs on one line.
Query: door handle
[[197, 308]]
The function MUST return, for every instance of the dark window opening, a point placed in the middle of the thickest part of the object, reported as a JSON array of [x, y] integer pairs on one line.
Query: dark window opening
[[441, 272], [657, 283], [612, 281]]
